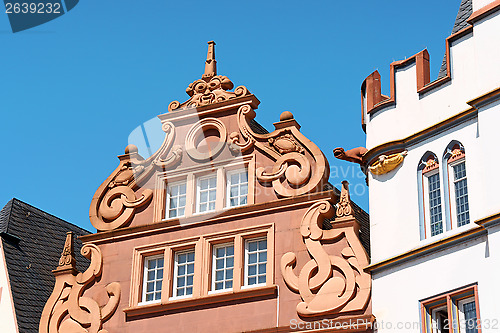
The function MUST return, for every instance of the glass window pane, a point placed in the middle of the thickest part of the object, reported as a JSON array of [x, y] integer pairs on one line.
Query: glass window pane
[[252, 246], [213, 182]]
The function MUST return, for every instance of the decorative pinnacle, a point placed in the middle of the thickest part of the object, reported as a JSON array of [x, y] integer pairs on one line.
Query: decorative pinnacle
[[67, 256], [210, 63]]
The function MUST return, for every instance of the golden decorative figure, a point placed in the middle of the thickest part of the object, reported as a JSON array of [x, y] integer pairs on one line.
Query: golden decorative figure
[[385, 163]]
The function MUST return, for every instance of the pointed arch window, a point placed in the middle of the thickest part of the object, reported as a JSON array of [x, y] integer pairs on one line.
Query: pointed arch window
[[458, 193], [431, 208]]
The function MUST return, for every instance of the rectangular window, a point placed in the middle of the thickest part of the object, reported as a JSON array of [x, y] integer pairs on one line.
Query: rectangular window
[[255, 262], [468, 316], [183, 274], [461, 195], [176, 200], [435, 213], [237, 188], [153, 278], [453, 312], [222, 267], [207, 193]]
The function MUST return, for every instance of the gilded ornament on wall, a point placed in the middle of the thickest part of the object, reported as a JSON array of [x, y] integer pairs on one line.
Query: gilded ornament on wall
[[387, 163]]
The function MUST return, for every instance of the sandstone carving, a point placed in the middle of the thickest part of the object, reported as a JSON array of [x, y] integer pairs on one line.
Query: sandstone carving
[[116, 200], [329, 283], [385, 164], [353, 155], [67, 310], [197, 130], [300, 167], [211, 88]]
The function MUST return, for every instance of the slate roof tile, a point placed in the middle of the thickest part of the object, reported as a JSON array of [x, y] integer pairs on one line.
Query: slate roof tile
[[32, 241]]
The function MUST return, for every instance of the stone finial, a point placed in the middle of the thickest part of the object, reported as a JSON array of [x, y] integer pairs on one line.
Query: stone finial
[[67, 260], [344, 207], [210, 63], [211, 88]]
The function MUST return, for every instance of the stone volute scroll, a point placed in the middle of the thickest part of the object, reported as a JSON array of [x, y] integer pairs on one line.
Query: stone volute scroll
[[119, 197], [300, 166], [329, 283], [67, 310], [211, 88]]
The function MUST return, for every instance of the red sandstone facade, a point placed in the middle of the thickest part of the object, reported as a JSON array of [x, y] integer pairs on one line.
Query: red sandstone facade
[[184, 209]]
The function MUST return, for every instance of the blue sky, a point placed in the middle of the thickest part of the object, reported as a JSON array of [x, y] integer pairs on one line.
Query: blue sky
[[74, 88]]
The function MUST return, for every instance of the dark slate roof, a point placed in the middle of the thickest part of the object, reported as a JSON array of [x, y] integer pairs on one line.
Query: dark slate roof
[[464, 12], [32, 242], [257, 128], [361, 216]]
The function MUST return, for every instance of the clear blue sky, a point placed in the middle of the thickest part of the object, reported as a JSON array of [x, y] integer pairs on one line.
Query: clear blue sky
[[74, 88]]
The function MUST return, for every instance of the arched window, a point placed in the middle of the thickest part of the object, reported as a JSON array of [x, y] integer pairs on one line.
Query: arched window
[[457, 191], [430, 202]]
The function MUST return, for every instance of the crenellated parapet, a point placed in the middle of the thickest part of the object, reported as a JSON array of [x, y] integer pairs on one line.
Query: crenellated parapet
[[414, 102]]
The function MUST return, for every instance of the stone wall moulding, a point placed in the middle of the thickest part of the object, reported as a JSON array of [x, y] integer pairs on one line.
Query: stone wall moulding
[[117, 199], [300, 167], [67, 310], [387, 163], [329, 283]]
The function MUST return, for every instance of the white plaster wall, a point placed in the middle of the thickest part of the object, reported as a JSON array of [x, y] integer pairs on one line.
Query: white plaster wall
[[7, 315], [394, 209], [478, 4], [396, 293], [475, 71]]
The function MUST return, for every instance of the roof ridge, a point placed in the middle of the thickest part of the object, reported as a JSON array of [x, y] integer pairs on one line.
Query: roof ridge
[[41, 212]]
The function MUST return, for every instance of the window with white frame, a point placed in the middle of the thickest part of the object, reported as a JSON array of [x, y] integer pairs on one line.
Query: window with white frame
[[237, 188], [176, 200], [153, 279], [255, 261], [240, 259], [222, 267], [206, 193], [434, 202], [461, 201], [183, 274]]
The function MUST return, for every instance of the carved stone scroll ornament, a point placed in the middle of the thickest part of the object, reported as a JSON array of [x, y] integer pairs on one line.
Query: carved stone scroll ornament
[[330, 282], [300, 167], [67, 310], [387, 163], [116, 200], [211, 88]]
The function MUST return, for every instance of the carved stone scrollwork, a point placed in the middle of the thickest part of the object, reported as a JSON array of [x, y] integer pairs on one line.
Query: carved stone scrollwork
[[344, 205], [328, 283], [197, 131], [116, 200], [67, 310], [300, 167], [211, 88]]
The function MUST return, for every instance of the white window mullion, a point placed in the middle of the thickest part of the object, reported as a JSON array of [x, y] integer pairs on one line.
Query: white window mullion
[[222, 267], [237, 188], [152, 279], [255, 262], [176, 200]]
